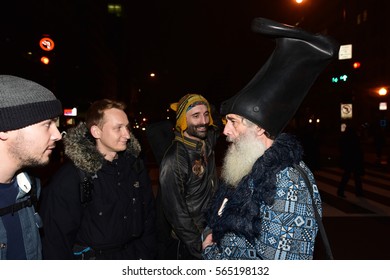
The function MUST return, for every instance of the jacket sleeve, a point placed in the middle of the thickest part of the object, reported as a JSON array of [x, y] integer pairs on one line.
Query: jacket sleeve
[[61, 213], [173, 177], [147, 247], [212, 252]]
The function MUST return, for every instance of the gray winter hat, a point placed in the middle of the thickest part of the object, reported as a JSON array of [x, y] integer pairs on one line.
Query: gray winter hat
[[24, 102]]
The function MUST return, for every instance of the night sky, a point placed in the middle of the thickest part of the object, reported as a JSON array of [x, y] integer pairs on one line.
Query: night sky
[[192, 46]]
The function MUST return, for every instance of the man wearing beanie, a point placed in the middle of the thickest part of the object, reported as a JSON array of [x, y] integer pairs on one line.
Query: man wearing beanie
[[28, 135], [188, 176], [268, 205]]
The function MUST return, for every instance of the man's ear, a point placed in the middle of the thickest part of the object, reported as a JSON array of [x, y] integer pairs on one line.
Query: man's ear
[[95, 131], [3, 135], [260, 131]]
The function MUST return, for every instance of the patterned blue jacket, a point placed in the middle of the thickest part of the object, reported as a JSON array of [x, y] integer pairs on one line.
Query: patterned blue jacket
[[269, 215]]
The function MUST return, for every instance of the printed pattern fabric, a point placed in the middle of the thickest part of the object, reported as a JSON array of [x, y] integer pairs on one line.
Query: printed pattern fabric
[[288, 227]]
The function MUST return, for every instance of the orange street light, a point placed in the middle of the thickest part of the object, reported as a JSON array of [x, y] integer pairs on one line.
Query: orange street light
[[382, 91], [45, 60]]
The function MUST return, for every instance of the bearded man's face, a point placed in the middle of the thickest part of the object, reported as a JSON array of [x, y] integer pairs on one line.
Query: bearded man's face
[[242, 153], [198, 121]]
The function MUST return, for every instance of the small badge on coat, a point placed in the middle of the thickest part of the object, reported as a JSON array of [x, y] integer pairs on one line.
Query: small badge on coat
[[198, 168], [136, 184]]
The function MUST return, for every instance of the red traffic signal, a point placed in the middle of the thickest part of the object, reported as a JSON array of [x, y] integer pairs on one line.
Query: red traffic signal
[[356, 65]]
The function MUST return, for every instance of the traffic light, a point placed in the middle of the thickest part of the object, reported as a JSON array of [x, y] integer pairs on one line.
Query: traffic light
[[340, 78], [356, 65]]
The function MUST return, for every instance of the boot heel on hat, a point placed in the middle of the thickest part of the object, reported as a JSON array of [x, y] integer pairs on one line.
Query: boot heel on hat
[[274, 94], [275, 29]]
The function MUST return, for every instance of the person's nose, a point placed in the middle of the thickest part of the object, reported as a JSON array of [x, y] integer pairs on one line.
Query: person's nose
[[205, 120], [126, 133], [56, 135], [227, 130]]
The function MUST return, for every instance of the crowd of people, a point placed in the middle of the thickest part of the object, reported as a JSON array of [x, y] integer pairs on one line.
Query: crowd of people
[[100, 205]]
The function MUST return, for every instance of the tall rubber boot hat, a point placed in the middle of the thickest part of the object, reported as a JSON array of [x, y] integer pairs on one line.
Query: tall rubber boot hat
[[275, 93]]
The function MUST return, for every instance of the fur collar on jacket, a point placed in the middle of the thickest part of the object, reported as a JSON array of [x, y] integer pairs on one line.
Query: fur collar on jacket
[[241, 214], [80, 147]]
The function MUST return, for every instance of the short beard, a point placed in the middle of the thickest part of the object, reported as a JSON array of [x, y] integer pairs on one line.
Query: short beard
[[32, 162], [191, 130], [20, 151], [240, 157]]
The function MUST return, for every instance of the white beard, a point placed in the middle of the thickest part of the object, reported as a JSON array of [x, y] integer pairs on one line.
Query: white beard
[[240, 157]]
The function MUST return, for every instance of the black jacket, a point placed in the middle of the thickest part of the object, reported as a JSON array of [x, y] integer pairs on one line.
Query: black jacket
[[351, 152], [188, 180], [118, 221]]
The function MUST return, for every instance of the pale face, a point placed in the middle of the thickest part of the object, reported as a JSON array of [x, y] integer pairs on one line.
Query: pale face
[[33, 145], [234, 127], [245, 148], [198, 120], [114, 133]]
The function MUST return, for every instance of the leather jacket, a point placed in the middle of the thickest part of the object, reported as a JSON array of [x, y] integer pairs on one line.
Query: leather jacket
[[188, 179]]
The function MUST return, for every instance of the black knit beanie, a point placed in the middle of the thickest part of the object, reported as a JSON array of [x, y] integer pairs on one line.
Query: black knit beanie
[[24, 102]]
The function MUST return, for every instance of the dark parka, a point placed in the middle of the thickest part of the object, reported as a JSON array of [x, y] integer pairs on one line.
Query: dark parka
[[119, 220]]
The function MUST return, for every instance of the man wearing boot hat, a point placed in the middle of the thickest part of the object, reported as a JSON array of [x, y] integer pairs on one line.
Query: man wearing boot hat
[[188, 176], [263, 208], [28, 135]]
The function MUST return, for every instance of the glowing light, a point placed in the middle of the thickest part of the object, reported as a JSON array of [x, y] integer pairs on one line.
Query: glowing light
[[45, 60], [70, 112], [46, 44], [383, 106], [382, 91], [356, 65]]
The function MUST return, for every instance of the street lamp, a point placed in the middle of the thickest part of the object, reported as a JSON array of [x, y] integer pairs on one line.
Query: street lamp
[[382, 91], [382, 105]]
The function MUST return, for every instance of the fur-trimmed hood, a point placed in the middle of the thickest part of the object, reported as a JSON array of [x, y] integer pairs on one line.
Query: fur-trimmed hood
[[80, 147], [242, 212]]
